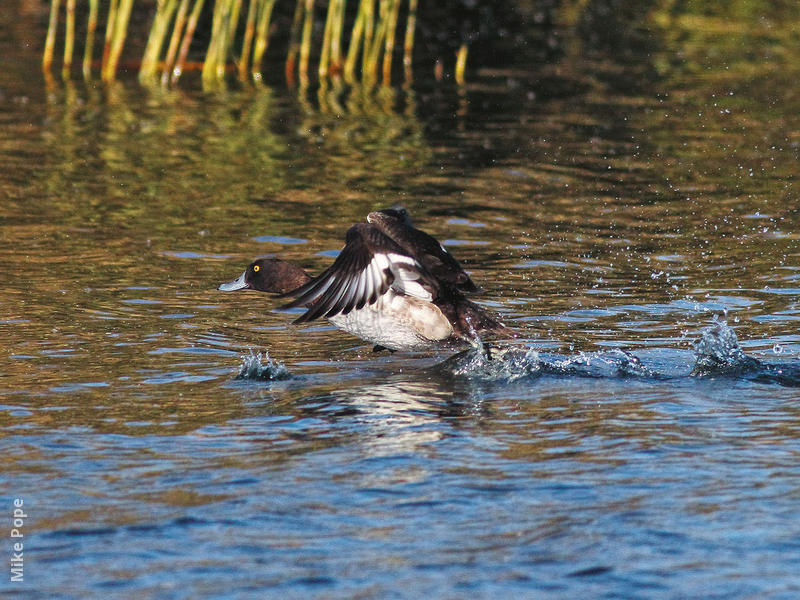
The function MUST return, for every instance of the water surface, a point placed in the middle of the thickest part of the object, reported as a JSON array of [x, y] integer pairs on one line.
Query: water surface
[[615, 204]]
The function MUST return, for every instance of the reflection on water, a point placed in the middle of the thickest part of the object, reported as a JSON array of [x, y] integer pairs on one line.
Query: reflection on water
[[611, 204]]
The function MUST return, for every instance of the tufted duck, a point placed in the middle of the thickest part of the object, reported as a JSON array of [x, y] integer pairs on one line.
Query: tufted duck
[[392, 285]]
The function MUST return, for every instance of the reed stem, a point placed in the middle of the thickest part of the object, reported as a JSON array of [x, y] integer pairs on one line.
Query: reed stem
[[327, 39], [69, 40], [372, 51], [118, 39], [112, 17], [356, 39], [233, 24], [247, 41], [155, 41], [369, 32], [191, 25], [336, 38], [408, 42], [90, 33], [262, 37], [172, 50], [305, 44], [294, 40], [214, 65], [50, 40], [391, 27]]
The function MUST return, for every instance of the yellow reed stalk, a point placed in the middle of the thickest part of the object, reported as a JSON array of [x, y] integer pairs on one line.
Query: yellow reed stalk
[[50, 41], [90, 32], [294, 39], [191, 25], [69, 40], [369, 32], [118, 39], [408, 42], [214, 64], [226, 17], [372, 54], [356, 38], [112, 18], [262, 37], [233, 22], [233, 25], [325, 53], [155, 41], [391, 26], [174, 40], [209, 72], [305, 44], [461, 64], [247, 40], [336, 37]]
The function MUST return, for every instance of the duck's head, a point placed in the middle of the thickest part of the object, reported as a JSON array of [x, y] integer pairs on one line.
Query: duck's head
[[268, 275], [396, 214]]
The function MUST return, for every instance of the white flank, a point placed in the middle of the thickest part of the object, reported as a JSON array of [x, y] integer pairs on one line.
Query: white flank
[[398, 322]]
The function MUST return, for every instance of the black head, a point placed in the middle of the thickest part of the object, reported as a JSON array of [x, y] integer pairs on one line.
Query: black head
[[268, 275]]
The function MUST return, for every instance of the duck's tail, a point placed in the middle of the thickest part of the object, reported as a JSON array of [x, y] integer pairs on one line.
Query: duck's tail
[[472, 321]]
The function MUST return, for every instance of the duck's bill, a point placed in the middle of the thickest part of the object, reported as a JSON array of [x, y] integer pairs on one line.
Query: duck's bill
[[237, 284]]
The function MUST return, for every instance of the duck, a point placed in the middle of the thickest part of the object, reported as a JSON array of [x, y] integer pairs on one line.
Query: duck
[[392, 285]]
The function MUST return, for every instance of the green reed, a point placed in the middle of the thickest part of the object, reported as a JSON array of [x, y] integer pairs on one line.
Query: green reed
[[239, 39]]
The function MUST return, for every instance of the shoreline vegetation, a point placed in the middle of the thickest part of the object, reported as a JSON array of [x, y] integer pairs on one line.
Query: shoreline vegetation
[[237, 39], [373, 43]]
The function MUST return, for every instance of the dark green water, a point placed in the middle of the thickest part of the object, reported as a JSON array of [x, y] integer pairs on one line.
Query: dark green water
[[616, 199]]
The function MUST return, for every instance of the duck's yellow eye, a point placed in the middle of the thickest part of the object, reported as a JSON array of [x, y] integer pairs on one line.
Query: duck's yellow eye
[[256, 269]]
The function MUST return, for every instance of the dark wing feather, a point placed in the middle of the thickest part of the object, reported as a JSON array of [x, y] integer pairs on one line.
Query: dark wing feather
[[425, 248], [352, 281]]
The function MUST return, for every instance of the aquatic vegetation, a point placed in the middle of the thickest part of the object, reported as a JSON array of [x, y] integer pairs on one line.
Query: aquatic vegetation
[[239, 39]]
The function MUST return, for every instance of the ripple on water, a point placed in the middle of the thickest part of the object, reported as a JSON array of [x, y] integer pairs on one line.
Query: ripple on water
[[582, 197]]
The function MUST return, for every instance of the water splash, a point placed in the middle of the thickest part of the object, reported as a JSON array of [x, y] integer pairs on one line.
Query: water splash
[[506, 363], [256, 365], [492, 363], [717, 352]]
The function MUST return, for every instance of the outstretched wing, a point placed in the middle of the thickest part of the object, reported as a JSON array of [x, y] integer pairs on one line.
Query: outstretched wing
[[430, 253], [368, 265]]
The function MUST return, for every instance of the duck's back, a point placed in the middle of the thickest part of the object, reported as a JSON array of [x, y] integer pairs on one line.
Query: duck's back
[[423, 247]]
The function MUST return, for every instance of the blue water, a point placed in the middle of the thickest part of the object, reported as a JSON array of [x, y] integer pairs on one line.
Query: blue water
[[658, 474], [631, 211]]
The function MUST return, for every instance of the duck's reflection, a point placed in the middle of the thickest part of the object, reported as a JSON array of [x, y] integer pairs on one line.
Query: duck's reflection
[[392, 415]]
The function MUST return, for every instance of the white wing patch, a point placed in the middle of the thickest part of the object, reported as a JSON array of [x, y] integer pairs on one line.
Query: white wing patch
[[407, 274], [345, 287]]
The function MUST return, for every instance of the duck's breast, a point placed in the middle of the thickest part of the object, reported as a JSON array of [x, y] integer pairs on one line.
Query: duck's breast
[[398, 322]]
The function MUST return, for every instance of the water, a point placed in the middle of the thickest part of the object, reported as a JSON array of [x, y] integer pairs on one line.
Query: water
[[633, 215]]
